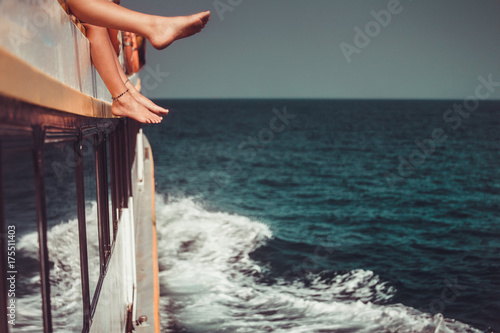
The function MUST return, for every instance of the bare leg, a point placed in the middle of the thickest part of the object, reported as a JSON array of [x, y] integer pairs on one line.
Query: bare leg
[[150, 105], [113, 37], [137, 95], [159, 30], [103, 57]]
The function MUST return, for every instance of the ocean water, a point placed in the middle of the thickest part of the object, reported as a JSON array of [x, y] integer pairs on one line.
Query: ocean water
[[302, 216]]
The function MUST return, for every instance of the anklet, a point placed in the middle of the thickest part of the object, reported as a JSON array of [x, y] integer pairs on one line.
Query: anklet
[[128, 80], [116, 98]]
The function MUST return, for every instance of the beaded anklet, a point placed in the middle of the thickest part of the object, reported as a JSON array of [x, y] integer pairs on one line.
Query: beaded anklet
[[123, 93]]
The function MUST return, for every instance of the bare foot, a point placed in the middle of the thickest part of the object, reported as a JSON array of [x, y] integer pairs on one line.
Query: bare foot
[[128, 106], [166, 30], [146, 102]]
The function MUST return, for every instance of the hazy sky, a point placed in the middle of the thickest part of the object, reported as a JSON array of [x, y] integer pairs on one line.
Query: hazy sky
[[300, 49]]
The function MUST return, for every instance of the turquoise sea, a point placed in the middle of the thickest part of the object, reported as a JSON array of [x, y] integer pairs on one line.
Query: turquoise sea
[[328, 216], [300, 216]]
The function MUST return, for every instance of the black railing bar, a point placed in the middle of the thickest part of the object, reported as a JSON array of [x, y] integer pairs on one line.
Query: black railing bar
[[25, 115], [98, 289], [82, 233], [15, 130], [107, 125], [102, 125], [103, 188], [41, 217], [100, 231], [103, 258], [96, 296], [61, 133], [4, 327], [60, 136], [128, 170], [57, 134], [114, 174], [16, 142], [106, 191], [89, 131], [120, 163], [98, 124], [113, 182]]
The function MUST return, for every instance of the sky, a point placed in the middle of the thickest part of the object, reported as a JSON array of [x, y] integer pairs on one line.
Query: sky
[[403, 49]]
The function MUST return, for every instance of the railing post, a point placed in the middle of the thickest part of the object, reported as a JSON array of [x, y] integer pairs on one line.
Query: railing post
[[82, 232], [104, 196], [4, 327], [114, 183], [41, 218], [120, 161], [102, 200], [128, 159]]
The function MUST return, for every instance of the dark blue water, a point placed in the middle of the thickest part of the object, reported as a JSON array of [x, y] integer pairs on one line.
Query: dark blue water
[[328, 216], [294, 216]]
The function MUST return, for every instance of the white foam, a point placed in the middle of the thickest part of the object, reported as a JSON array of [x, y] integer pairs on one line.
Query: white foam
[[209, 284], [65, 281]]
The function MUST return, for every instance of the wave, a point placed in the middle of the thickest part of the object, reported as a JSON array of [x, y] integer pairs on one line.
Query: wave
[[209, 283], [65, 281]]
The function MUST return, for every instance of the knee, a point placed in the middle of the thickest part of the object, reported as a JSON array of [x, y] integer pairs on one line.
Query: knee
[[96, 34]]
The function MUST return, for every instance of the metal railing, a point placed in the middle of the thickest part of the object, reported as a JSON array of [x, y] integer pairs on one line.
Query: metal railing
[[113, 137]]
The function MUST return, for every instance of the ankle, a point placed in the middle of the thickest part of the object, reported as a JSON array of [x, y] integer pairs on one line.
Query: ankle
[[135, 94], [116, 98], [123, 100], [152, 27], [131, 87]]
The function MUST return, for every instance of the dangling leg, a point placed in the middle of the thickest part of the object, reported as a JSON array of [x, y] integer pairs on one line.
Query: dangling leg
[[103, 57], [159, 30], [113, 37], [137, 95]]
